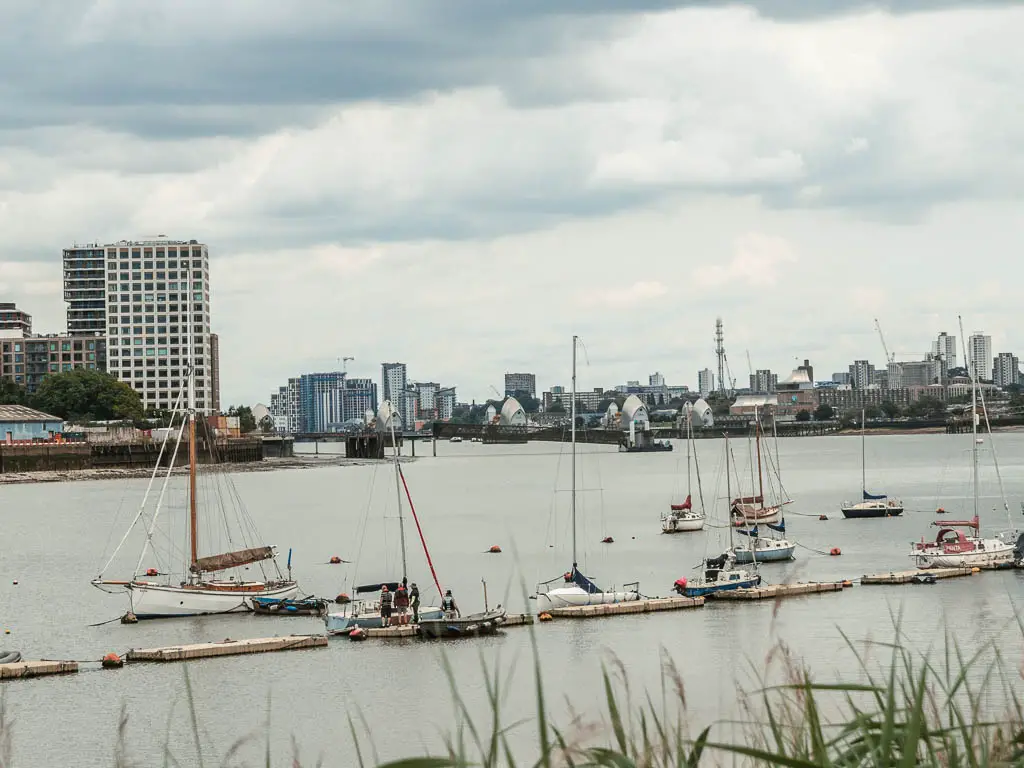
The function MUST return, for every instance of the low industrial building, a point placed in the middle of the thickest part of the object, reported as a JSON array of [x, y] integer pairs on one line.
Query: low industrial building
[[20, 423]]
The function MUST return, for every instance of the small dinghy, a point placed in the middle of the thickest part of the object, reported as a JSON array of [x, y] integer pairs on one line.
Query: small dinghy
[[308, 606], [473, 624], [10, 657]]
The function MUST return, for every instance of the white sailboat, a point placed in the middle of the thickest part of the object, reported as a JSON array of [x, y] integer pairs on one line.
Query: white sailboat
[[683, 517], [204, 585], [577, 589], [952, 548], [366, 613], [871, 504]]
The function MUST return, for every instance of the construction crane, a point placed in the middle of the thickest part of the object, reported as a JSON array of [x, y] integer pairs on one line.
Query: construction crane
[[344, 364], [888, 358]]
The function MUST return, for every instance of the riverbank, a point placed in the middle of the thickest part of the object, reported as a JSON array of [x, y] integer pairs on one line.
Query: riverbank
[[919, 430], [115, 473]]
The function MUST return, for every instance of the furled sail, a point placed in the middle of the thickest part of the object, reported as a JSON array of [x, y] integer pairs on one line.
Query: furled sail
[[781, 527], [232, 559], [685, 505], [873, 497], [377, 587], [751, 532]]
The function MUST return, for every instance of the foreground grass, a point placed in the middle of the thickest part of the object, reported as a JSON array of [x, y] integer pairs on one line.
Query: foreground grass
[[911, 710]]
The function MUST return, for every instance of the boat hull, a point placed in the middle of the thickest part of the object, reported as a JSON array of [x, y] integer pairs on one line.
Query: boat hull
[[869, 510], [766, 551], [701, 590], [991, 555], [161, 601], [343, 622], [269, 606], [746, 514], [568, 597], [672, 524], [474, 624]]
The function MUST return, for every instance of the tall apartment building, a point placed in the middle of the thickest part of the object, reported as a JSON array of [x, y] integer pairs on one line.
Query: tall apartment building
[[915, 373], [85, 284], [426, 399], [979, 353], [14, 323], [862, 374], [27, 360], [705, 382], [656, 379], [520, 382], [326, 401], [215, 371], [763, 381], [147, 297], [944, 348], [1006, 370], [446, 403], [394, 381]]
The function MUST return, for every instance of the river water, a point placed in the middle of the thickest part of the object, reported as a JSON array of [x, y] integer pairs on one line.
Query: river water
[[470, 497]]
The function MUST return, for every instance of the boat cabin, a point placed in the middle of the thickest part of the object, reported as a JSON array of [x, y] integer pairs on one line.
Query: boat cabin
[[951, 541]]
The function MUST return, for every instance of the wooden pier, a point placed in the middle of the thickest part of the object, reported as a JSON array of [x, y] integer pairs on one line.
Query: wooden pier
[[20, 669], [778, 591], [228, 648], [647, 605], [906, 577]]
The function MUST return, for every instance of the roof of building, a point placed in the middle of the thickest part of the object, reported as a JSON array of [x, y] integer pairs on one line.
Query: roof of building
[[797, 379], [24, 413], [751, 401]]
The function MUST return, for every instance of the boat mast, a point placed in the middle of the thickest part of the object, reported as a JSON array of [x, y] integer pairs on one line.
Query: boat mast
[[863, 457], [572, 495], [192, 512], [974, 420], [689, 442], [757, 434], [728, 489], [398, 491]]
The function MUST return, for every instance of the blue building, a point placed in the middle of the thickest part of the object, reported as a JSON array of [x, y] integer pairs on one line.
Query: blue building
[[328, 400], [18, 422]]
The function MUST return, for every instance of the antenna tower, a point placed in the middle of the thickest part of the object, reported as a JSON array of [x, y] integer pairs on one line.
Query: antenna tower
[[720, 351]]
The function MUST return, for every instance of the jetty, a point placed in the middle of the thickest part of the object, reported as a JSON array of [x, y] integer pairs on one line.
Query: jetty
[[21, 669], [778, 591], [411, 630], [228, 648], [907, 577], [646, 605]]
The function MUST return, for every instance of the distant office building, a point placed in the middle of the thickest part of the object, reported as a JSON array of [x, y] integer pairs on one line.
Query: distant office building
[[844, 398], [705, 382], [520, 382], [360, 396], [25, 361], [322, 402], [918, 373], [1006, 370], [587, 400], [215, 372], [656, 379], [393, 385], [843, 377], [944, 349], [862, 374], [148, 297], [979, 352], [426, 399], [285, 408], [445, 403], [763, 381], [14, 323], [410, 407]]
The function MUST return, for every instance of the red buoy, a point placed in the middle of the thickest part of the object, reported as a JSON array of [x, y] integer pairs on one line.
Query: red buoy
[[823, 517], [112, 661], [835, 551], [152, 572], [607, 540], [343, 598], [495, 550], [334, 560]]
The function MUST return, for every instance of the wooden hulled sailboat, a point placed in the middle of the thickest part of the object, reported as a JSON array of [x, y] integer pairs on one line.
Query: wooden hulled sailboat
[[206, 584]]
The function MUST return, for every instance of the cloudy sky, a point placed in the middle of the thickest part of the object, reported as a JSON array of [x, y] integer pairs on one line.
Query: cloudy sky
[[464, 185]]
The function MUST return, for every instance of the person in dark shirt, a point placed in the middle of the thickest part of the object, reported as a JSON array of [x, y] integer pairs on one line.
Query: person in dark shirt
[[385, 607], [451, 610], [402, 604], [414, 601]]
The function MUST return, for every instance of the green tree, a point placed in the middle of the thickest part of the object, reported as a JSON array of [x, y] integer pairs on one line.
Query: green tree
[[803, 415], [11, 393], [873, 412], [87, 395], [246, 421], [556, 406], [530, 403], [927, 407], [890, 409], [824, 412]]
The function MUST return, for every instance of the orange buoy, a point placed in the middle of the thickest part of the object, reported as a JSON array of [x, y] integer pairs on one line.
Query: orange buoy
[[544, 617], [940, 511], [112, 661], [567, 575], [343, 598], [152, 572], [334, 560], [835, 551], [495, 550], [129, 618], [847, 583], [823, 517], [607, 540]]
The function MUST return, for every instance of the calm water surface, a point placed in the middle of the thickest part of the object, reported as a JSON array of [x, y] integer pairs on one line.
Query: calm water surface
[[470, 497]]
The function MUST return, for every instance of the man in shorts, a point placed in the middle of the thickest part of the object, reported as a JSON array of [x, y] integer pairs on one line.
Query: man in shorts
[[385, 606], [402, 605]]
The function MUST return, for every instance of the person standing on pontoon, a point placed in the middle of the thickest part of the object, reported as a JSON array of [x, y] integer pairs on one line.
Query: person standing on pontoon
[[385, 607], [448, 605]]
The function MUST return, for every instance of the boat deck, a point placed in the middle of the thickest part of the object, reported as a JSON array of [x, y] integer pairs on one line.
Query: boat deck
[[21, 669], [409, 630], [228, 648], [778, 591], [648, 605]]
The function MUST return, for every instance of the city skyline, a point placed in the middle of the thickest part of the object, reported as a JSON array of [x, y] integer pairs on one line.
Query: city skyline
[[380, 212]]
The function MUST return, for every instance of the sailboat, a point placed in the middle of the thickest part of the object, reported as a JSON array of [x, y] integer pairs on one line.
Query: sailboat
[[752, 509], [765, 548], [871, 505], [683, 517], [720, 573], [953, 548], [202, 587], [365, 613], [577, 589]]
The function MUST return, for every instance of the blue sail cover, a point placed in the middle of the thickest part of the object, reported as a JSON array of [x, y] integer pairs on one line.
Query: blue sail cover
[[781, 527], [872, 497], [583, 582], [751, 532]]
